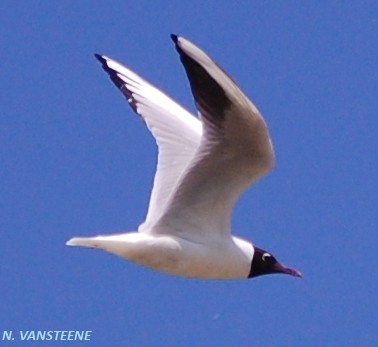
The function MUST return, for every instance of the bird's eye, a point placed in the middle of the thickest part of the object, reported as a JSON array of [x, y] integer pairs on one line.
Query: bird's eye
[[266, 257]]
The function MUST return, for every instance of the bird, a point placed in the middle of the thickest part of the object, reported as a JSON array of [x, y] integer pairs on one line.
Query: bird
[[204, 164]]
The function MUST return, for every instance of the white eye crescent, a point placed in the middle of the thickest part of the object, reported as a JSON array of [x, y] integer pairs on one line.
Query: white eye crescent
[[266, 256]]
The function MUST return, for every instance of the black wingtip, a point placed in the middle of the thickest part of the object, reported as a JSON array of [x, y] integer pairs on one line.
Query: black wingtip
[[120, 84], [104, 65], [174, 38], [100, 58], [112, 74]]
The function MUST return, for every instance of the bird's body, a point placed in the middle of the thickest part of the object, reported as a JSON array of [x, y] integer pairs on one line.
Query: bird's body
[[226, 259], [203, 166]]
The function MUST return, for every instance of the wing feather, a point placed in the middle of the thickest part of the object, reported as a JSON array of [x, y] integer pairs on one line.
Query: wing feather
[[177, 133], [235, 150]]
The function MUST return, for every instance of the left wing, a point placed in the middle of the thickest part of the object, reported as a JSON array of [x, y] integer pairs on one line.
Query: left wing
[[177, 133]]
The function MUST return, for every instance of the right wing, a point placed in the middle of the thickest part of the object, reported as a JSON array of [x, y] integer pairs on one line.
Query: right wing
[[235, 151]]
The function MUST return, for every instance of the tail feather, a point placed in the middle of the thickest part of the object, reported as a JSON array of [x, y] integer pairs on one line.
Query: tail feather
[[123, 244], [103, 241], [82, 242]]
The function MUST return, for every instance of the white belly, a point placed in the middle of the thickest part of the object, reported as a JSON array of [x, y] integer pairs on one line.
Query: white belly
[[227, 259]]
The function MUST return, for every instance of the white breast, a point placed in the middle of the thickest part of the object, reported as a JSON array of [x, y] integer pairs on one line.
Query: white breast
[[224, 258], [177, 256]]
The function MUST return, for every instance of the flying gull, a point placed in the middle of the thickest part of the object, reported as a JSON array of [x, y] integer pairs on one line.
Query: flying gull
[[204, 164]]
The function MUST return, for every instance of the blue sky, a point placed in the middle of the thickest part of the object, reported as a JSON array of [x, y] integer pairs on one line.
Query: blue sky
[[75, 160]]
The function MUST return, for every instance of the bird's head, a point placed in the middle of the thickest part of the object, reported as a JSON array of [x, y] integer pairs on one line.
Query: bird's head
[[263, 263]]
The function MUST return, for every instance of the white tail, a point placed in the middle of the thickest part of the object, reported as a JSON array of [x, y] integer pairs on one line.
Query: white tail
[[82, 242], [126, 245]]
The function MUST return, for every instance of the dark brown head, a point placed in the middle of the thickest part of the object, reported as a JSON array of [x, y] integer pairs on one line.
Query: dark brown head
[[263, 263]]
